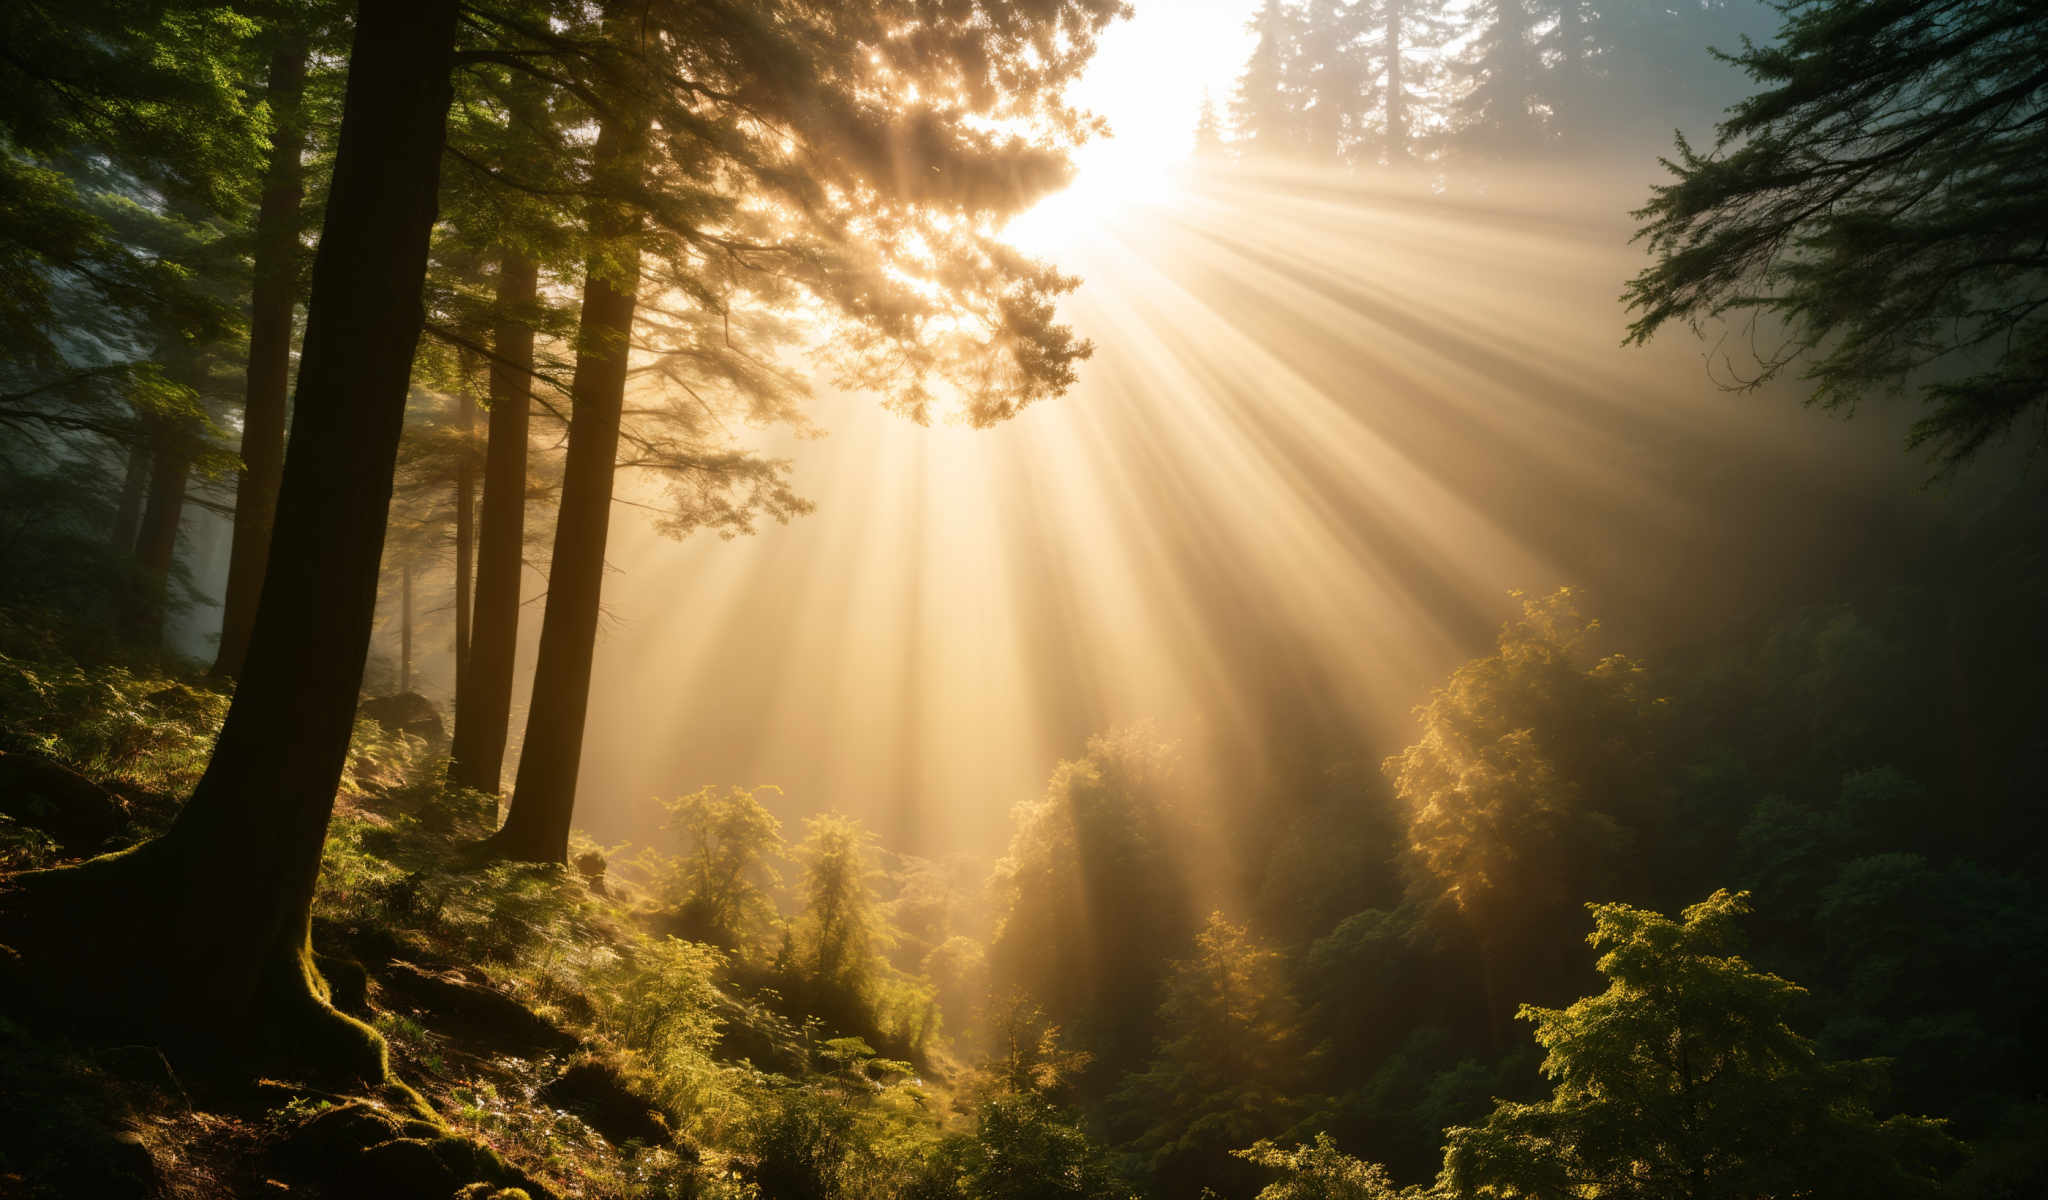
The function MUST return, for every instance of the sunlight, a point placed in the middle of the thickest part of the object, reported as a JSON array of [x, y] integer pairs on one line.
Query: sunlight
[[1146, 82], [574, 621], [1293, 379]]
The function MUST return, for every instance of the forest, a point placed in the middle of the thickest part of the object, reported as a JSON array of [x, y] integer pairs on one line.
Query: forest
[[1024, 599]]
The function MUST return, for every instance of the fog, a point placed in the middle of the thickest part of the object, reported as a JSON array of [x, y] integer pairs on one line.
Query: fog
[[1326, 431]]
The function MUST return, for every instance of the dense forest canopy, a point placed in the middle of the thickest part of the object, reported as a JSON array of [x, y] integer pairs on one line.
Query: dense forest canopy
[[1306, 602]]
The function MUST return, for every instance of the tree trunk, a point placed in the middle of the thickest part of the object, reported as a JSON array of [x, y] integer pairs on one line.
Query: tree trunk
[[544, 795], [1567, 104], [465, 526], [270, 356], [156, 540], [1397, 104], [199, 940], [128, 510], [405, 629], [483, 692]]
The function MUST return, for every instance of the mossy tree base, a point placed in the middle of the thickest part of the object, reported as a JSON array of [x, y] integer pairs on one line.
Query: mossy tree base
[[157, 946]]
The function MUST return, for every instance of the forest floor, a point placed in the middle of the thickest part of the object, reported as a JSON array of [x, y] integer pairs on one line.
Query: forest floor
[[548, 1040]]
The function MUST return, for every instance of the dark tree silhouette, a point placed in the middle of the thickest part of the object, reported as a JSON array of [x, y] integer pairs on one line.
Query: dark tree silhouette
[[1874, 213], [199, 939], [268, 382], [483, 689], [537, 824]]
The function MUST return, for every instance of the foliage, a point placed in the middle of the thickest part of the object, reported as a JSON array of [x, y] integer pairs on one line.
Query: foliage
[[1318, 1171], [1533, 779], [1092, 895], [1023, 1148], [148, 729], [719, 885], [840, 933], [1225, 1069], [663, 1006], [1869, 213], [1684, 1079]]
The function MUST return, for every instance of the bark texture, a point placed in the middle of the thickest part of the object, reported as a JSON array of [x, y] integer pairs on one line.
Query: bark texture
[[536, 827], [483, 690], [271, 297], [199, 939]]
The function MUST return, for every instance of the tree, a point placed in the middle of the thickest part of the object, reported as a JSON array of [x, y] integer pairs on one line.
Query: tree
[[104, 103], [483, 688], [1531, 780], [200, 938], [1227, 1057], [840, 932], [1330, 79], [1093, 896], [719, 883], [1318, 1171], [792, 185], [1503, 69], [1570, 45], [1871, 213], [1401, 39], [1685, 1081], [1265, 113], [517, 182], [273, 295], [1209, 142], [1023, 1147]]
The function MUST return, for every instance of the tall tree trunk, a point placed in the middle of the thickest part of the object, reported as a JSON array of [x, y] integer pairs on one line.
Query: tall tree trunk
[[544, 795], [134, 484], [405, 629], [483, 692], [1567, 104], [270, 356], [156, 539], [199, 940], [155, 544], [465, 526], [1397, 103]]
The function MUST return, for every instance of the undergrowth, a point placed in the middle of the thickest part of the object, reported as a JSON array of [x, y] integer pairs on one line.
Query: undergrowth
[[771, 1087]]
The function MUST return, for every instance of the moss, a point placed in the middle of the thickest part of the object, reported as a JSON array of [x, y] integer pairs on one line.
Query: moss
[[105, 958]]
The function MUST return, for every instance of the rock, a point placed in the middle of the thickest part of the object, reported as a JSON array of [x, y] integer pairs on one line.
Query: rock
[[595, 1090], [52, 797], [348, 984], [130, 1167], [327, 1141], [408, 712], [362, 1150], [404, 1169], [474, 1012], [590, 864]]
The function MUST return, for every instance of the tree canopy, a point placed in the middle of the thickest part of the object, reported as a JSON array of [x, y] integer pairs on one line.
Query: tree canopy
[[1871, 216]]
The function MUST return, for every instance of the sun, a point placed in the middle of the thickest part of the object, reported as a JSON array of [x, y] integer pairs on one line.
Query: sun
[[1147, 81], [1108, 187]]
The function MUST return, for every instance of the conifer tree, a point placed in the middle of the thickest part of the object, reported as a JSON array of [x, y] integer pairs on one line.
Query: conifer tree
[[1872, 215], [1209, 141], [515, 178], [1265, 113], [767, 185], [1503, 70], [1400, 45], [1684, 1080], [1331, 79], [200, 939], [273, 296]]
